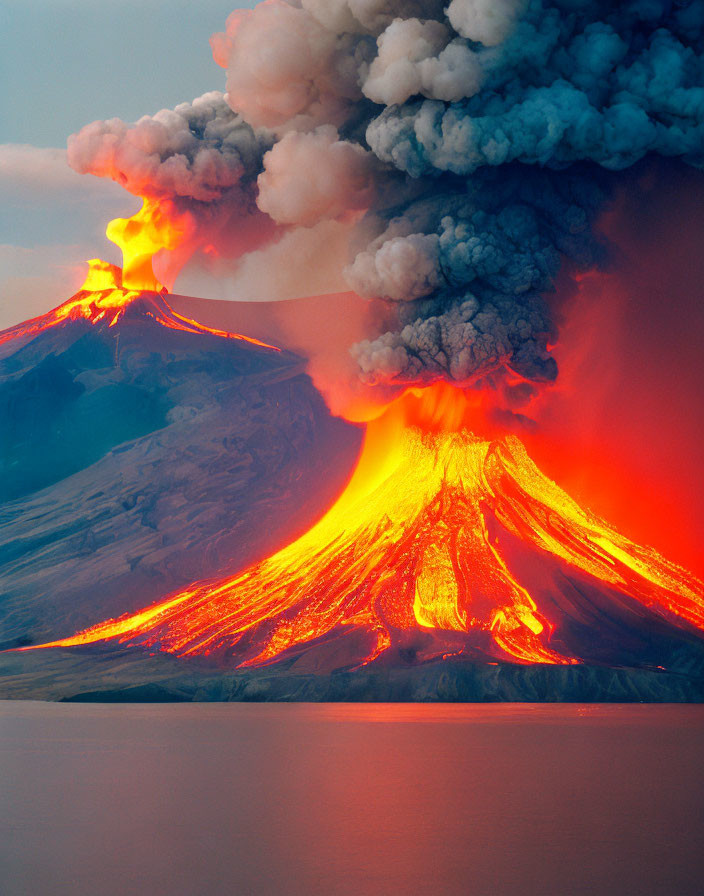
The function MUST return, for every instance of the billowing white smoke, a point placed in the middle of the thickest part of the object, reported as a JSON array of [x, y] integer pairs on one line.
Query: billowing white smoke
[[487, 22], [416, 57], [368, 16], [284, 69], [401, 268], [311, 176]]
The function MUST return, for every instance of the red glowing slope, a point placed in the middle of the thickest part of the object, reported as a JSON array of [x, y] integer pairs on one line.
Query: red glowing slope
[[442, 545]]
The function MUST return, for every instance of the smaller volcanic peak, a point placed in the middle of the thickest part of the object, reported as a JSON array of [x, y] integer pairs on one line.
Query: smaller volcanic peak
[[443, 544], [101, 297], [104, 300]]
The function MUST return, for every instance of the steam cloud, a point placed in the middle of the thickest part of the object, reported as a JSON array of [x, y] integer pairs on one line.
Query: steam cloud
[[478, 137]]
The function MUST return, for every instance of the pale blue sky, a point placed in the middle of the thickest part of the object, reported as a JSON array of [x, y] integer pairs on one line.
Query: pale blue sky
[[64, 63]]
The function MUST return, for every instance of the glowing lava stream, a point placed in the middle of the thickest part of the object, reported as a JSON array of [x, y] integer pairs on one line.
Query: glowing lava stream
[[103, 297], [413, 544]]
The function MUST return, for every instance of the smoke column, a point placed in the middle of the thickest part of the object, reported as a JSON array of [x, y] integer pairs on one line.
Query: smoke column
[[469, 148]]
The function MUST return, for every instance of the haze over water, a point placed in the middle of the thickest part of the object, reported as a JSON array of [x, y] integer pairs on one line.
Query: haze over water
[[487, 800]]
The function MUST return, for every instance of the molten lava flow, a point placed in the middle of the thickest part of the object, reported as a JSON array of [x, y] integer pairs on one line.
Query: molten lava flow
[[418, 545], [104, 298]]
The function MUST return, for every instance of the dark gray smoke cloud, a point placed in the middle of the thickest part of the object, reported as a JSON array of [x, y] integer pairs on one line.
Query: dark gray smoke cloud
[[564, 86], [482, 137], [489, 122], [472, 279]]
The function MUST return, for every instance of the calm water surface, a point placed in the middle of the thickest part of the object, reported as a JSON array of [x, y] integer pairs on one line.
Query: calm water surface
[[490, 800]]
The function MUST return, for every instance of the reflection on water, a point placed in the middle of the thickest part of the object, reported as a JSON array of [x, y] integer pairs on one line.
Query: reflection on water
[[478, 800]]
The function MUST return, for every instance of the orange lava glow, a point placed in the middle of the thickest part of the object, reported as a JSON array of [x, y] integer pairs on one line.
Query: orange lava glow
[[416, 543], [101, 297], [104, 298]]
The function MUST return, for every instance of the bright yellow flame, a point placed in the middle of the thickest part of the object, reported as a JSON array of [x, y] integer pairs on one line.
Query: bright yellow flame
[[101, 276], [141, 237]]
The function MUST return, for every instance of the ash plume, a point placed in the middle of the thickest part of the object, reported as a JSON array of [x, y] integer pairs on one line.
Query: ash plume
[[477, 140], [199, 151]]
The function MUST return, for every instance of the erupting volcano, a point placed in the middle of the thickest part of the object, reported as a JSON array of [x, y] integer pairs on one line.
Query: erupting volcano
[[442, 544], [469, 173], [108, 291]]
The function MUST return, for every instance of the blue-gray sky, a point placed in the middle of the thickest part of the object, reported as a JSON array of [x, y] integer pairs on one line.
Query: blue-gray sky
[[64, 63]]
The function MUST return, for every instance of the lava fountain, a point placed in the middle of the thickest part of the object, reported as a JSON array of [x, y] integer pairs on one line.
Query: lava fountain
[[434, 543]]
